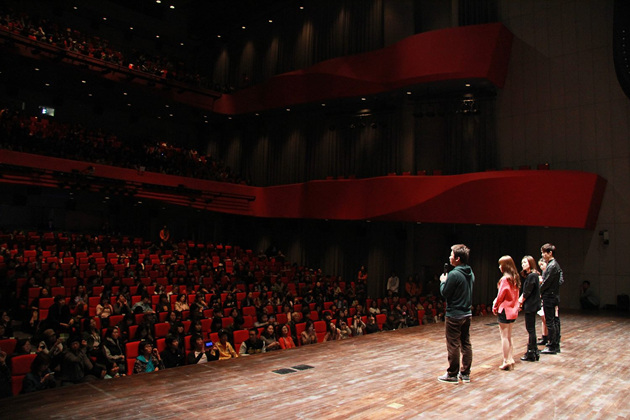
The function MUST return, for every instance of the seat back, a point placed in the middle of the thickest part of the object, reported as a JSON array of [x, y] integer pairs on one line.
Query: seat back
[[16, 384], [21, 365], [130, 364], [131, 350], [162, 329], [380, 320], [7, 345]]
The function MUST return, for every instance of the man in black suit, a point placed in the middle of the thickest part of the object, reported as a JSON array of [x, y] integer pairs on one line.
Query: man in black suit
[[550, 293]]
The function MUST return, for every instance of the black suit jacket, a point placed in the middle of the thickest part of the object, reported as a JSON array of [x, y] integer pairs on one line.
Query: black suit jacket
[[531, 293]]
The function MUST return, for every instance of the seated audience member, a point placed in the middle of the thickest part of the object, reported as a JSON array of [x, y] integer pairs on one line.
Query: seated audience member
[[113, 371], [196, 328], [148, 359], [50, 344], [217, 322], [104, 310], [5, 376], [294, 319], [143, 306], [173, 356], [177, 331], [253, 344], [173, 318], [163, 304], [181, 304], [114, 350], [44, 293], [122, 306], [92, 336], [371, 326], [332, 332], [309, 336], [224, 348], [285, 340], [145, 331], [263, 321], [391, 322], [358, 326], [40, 377], [76, 366], [128, 320], [344, 330], [199, 353], [269, 337], [22, 347], [588, 299], [79, 302], [197, 307], [59, 317]]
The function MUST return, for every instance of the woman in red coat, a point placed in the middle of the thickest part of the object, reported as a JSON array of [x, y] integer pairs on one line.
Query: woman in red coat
[[506, 307]]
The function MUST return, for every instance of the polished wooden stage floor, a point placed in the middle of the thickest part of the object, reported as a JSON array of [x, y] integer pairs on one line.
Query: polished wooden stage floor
[[390, 375]]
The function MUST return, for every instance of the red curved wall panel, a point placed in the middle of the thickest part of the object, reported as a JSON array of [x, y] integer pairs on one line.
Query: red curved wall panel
[[474, 198]]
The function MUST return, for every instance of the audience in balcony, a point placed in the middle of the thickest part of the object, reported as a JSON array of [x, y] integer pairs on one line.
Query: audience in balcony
[[32, 134], [59, 35]]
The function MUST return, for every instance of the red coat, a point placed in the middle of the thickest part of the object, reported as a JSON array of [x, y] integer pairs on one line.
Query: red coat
[[507, 299]]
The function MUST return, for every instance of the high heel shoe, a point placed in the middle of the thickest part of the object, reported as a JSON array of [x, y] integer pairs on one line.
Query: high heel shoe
[[507, 366]]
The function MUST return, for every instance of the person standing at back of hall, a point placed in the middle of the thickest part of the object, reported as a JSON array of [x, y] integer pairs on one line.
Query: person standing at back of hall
[[550, 293], [457, 287], [393, 282], [165, 236]]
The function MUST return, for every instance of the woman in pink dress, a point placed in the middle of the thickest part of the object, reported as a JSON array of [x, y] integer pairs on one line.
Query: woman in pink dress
[[506, 307]]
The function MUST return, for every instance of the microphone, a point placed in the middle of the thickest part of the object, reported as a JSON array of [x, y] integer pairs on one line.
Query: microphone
[[446, 265]]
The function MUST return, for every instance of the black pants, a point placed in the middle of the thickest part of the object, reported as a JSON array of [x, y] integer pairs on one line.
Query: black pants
[[549, 307], [530, 325], [458, 339]]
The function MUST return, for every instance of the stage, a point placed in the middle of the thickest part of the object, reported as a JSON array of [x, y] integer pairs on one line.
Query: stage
[[389, 375]]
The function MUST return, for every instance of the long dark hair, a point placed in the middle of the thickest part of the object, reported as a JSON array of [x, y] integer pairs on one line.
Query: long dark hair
[[532, 265]]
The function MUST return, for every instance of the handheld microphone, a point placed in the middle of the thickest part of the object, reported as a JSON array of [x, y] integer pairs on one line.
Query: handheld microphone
[[446, 265]]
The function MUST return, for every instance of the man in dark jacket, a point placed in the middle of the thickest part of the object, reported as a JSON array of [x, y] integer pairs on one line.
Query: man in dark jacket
[[550, 293], [457, 287]]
